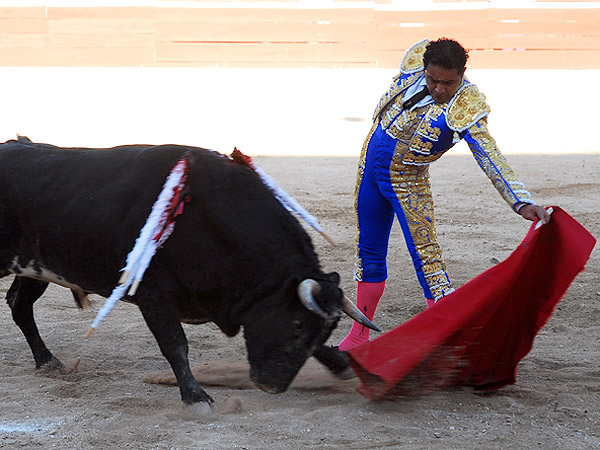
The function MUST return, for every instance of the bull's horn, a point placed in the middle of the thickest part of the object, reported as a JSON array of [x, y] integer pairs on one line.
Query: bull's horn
[[306, 291], [351, 309]]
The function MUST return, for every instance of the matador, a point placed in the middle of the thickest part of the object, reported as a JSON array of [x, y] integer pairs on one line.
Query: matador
[[429, 107]]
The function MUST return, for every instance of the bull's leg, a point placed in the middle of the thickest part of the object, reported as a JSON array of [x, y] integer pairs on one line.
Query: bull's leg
[[335, 360], [21, 296], [163, 321]]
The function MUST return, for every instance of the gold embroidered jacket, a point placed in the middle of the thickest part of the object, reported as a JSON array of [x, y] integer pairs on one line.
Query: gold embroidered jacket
[[443, 125]]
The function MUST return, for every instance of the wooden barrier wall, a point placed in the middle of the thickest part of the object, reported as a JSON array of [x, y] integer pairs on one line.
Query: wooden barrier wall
[[544, 38]]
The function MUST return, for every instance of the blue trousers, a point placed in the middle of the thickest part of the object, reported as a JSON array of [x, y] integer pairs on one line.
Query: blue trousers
[[386, 188]]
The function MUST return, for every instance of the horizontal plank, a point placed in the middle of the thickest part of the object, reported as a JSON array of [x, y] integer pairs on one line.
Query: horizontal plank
[[271, 64], [76, 57], [23, 40], [100, 13], [85, 26], [536, 59], [249, 15], [440, 17], [29, 12], [267, 31], [535, 29], [544, 42], [500, 59], [103, 40], [23, 25], [287, 37], [549, 16], [253, 55], [406, 37], [265, 52]]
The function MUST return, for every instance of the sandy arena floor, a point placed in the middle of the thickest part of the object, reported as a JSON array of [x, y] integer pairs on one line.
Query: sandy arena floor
[[308, 127]]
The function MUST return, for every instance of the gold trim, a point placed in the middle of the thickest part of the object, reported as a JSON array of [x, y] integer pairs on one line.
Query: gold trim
[[466, 108], [413, 58]]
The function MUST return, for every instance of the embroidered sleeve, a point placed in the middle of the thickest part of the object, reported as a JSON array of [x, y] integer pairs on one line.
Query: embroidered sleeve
[[494, 165]]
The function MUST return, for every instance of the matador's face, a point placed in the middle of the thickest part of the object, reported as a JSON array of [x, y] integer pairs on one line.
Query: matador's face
[[442, 83]]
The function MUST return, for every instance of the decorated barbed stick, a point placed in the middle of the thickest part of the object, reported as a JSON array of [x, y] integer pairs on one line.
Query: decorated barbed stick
[[284, 198], [157, 229]]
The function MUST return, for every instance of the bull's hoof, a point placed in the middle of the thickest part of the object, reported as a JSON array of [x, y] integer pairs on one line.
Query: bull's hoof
[[269, 388], [52, 367], [336, 361], [347, 374], [200, 409], [197, 399], [55, 367]]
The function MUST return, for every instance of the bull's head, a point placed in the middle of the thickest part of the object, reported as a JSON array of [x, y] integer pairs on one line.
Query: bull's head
[[290, 325], [309, 288]]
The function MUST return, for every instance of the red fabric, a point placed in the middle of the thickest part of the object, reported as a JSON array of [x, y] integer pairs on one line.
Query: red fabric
[[477, 335], [242, 158]]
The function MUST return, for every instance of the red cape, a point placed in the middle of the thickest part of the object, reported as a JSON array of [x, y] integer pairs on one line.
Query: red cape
[[477, 335]]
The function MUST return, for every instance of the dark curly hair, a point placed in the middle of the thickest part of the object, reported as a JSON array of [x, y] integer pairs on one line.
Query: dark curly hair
[[446, 53]]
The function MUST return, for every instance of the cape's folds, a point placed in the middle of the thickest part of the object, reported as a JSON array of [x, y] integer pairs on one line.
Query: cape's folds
[[477, 335]]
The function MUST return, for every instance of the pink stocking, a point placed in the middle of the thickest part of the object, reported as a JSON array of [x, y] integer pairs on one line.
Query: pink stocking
[[367, 298]]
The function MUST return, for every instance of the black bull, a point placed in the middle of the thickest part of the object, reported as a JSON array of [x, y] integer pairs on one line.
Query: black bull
[[236, 256]]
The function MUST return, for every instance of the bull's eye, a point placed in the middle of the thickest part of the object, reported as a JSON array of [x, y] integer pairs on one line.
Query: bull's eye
[[297, 327]]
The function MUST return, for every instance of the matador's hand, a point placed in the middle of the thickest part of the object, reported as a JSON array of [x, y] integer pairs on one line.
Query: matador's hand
[[532, 212]]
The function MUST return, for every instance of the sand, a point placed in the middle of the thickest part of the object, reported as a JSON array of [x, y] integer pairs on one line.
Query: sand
[[109, 401]]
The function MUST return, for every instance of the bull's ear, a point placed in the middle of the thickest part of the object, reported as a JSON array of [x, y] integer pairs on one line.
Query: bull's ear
[[334, 277]]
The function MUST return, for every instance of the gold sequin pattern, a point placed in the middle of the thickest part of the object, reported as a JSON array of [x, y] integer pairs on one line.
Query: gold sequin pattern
[[421, 146], [413, 190], [426, 128], [413, 59], [428, 131], [416, 130], [395, 123], [466, 108], [394, 94]]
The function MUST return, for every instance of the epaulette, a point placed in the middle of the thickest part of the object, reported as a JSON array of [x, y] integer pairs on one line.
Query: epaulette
[[466, 108], [413, 58]]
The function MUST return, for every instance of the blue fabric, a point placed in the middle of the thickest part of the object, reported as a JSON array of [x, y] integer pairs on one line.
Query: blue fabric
[[377, 203]]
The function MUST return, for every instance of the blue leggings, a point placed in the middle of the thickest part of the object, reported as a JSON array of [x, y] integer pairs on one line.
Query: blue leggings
[[387, 187]]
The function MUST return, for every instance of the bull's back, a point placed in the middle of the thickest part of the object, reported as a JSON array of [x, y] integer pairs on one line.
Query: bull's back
[[66, 207], [79, 211], [42, 173]]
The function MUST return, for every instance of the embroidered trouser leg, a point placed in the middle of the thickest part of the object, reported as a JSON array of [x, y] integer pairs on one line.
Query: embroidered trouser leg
[[386, 187]]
